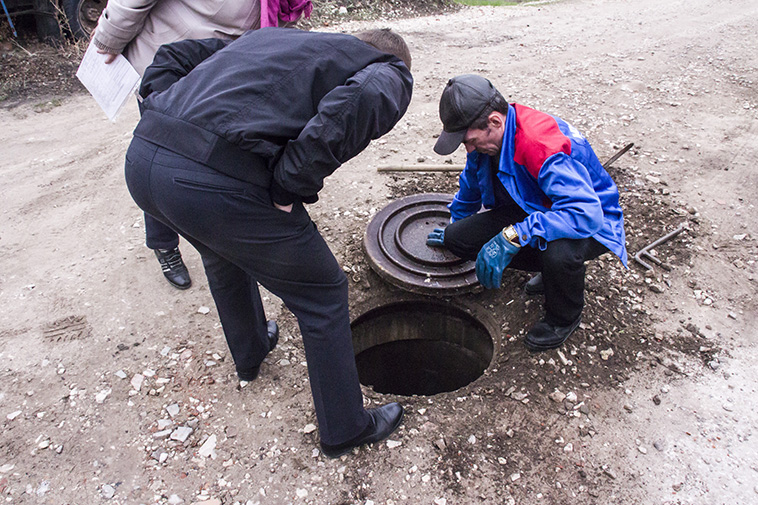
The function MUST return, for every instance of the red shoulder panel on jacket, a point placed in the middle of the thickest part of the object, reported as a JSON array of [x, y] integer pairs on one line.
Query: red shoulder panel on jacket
[[537, 138]]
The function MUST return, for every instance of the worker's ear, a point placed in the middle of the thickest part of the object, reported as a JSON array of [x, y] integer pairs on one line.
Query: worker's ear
[[496, 119]]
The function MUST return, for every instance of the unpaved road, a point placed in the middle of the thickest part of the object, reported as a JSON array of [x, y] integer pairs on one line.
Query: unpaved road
[[83, 303]]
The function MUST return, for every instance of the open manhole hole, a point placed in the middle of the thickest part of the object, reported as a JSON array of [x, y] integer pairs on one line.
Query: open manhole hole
[[422, 347]]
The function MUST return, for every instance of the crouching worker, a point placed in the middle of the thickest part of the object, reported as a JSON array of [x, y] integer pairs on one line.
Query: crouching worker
[[234, 138], [550, 204]]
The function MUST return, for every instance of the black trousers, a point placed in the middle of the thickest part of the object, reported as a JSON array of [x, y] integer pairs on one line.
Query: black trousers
[[561, 264], [158, 235], [244, 240]]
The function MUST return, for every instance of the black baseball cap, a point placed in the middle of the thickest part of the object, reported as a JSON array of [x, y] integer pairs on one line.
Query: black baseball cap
[[464, 99]]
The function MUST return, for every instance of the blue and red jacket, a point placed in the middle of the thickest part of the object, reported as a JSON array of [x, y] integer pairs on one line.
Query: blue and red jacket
[[550, 171]]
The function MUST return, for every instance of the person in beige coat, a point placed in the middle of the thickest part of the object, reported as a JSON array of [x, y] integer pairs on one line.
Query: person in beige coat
[[137, 28]]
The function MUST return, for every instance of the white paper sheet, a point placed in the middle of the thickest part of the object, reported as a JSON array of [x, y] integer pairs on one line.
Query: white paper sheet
[[111, 85]]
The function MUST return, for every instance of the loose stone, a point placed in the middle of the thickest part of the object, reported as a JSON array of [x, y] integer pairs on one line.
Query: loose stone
[[107, 491], [136, 381], [557, 396], [181, 433], [208, 449]]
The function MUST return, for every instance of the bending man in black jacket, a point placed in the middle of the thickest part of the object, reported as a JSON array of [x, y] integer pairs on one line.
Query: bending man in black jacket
[[234, 137]]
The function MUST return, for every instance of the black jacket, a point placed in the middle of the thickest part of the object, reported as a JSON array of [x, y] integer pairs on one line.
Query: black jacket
[[281, 103]]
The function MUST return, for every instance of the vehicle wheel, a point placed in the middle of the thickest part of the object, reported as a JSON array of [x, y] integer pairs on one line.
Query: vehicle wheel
[[82, 16], [46, 19]]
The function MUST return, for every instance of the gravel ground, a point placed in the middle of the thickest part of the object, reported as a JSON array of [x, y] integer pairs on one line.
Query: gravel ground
[[115, 388]]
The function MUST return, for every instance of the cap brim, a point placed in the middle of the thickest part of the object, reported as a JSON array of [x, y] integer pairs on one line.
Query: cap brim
[[448, 142]]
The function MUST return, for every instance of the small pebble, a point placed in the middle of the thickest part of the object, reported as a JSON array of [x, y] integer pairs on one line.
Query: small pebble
[[137, 381], [557, 396], [107, 491]]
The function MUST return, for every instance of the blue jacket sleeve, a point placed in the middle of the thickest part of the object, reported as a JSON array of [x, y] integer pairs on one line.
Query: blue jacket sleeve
[[366, 107], [468, 200], [174, 61], [576, 211]]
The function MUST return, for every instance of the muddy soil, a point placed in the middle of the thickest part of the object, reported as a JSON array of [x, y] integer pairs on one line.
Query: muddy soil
[[106, 368]]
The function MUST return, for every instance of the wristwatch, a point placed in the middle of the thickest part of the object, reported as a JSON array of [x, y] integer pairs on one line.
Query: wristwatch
[[511, 235]]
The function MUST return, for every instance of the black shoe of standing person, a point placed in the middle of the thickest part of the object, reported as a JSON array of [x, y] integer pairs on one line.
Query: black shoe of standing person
[[534, 286], [383, 421], [173, 267], [544, 336], [250, 374]]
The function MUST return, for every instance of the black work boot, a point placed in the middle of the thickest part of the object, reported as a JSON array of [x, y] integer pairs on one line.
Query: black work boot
[[173, 267], [534, 286], [544, 336]]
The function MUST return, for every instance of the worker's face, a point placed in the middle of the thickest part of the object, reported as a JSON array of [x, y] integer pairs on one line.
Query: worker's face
[[488, 140]]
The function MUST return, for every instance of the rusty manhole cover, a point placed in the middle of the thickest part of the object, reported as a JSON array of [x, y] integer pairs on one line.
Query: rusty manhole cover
[[395, 243]]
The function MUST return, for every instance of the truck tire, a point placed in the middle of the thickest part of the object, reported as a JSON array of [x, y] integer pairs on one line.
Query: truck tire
[[46, 20], [82, 16]]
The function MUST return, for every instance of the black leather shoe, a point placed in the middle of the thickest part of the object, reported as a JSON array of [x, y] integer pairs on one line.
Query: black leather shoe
[[534, 286], [384, 420], [544, 336], [273, 334], [250, 374], [173, 267]]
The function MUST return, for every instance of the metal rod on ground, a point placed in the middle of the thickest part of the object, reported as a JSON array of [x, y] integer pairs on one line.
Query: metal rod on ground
[[618, 155], [645, 251], [456, 168], [420, 168]]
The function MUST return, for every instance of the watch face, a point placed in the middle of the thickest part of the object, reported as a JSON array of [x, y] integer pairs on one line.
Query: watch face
[[511, 235]]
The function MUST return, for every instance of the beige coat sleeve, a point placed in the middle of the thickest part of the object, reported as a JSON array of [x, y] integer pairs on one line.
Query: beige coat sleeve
[[120, 22], [139, 27]]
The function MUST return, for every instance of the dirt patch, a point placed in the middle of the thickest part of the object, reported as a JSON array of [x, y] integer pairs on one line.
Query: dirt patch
[[31, 71]]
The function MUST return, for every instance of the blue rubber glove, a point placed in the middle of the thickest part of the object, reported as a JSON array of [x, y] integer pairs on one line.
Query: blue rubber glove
[[436, 238], [492, 260]]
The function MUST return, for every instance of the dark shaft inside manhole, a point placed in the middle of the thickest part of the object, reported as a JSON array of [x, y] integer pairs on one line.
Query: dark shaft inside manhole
[[420, 348]]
